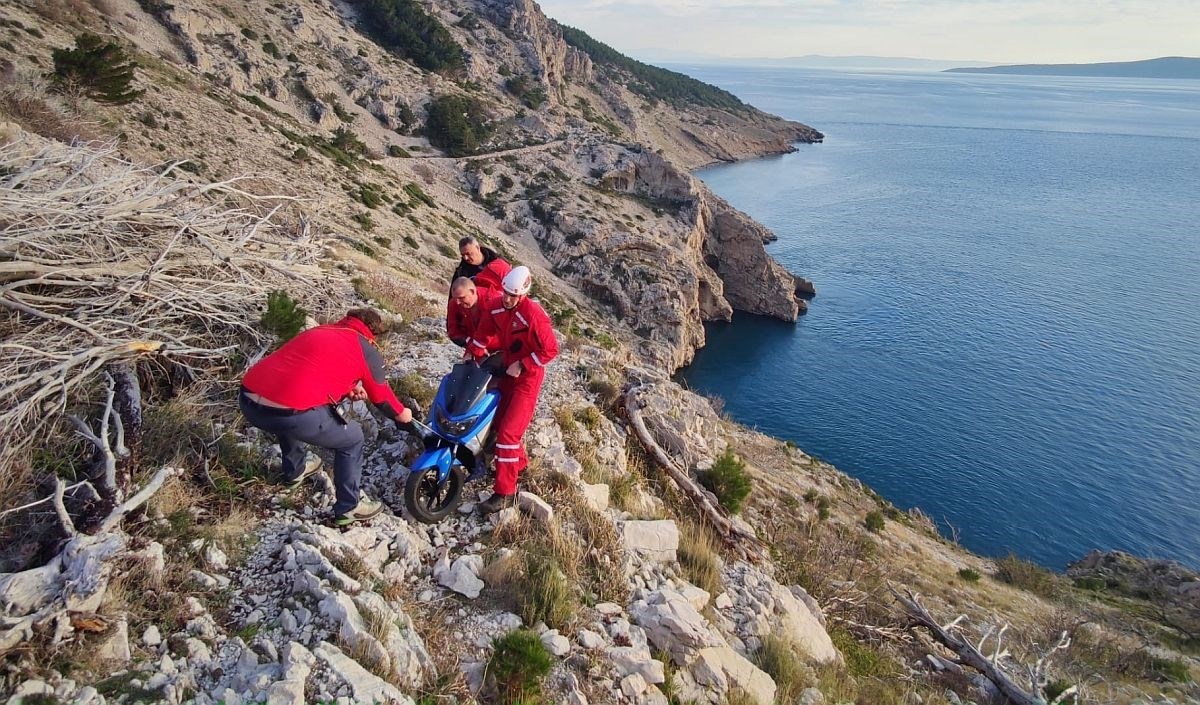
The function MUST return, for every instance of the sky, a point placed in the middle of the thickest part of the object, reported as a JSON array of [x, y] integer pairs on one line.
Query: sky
[[999, 31]]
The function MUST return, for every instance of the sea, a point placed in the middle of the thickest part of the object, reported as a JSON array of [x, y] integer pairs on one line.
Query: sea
[[1006, 332]]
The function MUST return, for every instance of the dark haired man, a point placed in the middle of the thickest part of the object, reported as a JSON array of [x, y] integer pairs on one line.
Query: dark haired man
[[293, 392]]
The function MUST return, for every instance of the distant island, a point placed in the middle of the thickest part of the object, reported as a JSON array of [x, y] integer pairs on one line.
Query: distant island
[[1164, 67]]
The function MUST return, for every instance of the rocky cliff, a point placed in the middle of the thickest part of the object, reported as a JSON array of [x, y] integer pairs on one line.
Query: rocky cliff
[[619, 579]]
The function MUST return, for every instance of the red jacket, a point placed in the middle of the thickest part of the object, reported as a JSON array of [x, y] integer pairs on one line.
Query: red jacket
[[321, 365], [523, 334], [488, 274], [462, 322]]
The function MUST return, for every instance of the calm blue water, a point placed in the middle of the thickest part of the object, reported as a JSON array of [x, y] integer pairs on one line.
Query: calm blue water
[[1007, 327]]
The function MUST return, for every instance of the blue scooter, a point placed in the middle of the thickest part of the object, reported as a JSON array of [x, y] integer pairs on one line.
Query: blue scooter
[[461, 417]]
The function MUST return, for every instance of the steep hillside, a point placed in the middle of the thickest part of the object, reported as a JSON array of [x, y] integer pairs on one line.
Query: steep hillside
[[337, 152]]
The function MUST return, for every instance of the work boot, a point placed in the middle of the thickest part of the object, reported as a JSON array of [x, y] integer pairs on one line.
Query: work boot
[[496, 502], [480, 471], [366, 509], [312, 465]]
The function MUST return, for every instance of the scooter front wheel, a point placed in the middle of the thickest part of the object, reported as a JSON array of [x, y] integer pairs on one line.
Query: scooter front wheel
[[430, 501]]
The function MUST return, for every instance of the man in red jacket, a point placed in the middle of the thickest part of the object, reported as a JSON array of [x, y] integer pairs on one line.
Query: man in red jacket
[[467, 303], [292, 393], [520, 330], [482, 266]]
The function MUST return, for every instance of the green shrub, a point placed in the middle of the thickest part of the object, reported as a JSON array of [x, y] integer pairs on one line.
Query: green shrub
[[1092, 583], [417, 193], [404, 27], [519, 664], [810, 495], [348, 142], [861, 659], [1170, 669], [272, 50], [528, 91], [545, 594], [102, 69], [874, 521], [728, 480], [284, 316], [607, 392], [1028, 576], [412, 387], [395, 150], [969, 575], [457, 124]]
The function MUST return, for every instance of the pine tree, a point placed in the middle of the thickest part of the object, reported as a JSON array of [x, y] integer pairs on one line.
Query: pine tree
[[102, 69]]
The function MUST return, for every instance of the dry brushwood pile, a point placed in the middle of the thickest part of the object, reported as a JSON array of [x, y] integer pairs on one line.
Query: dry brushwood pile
[[104, 262]]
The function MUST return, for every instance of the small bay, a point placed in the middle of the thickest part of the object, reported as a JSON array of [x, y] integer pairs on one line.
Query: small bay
[[1007, 327]]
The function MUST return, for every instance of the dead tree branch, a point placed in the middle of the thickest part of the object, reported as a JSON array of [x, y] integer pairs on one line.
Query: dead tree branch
[[103, 263], [971, 655], [745, 543]]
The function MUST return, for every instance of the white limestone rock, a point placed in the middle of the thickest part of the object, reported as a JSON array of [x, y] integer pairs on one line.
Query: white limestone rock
[[654, 541]]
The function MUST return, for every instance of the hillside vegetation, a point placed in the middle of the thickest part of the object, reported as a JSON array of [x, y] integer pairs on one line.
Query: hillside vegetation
[[264, 165]]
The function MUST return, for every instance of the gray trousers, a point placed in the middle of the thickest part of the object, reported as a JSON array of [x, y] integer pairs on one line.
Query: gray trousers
[[321, 428]]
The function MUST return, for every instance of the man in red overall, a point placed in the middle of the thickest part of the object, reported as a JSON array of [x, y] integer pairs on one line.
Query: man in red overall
[[469, 303], [483, 267], [520, 331], [292, 393]]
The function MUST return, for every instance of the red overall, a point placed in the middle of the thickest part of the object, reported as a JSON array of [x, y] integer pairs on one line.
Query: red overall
[[461, 322], [522, 334]]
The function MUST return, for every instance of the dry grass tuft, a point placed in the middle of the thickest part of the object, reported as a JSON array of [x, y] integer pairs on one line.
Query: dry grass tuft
[[394, 294], [698, 556], [27, 101], [780, 658]]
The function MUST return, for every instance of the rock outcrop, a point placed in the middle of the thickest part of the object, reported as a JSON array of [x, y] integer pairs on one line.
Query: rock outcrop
[[1173, 587]]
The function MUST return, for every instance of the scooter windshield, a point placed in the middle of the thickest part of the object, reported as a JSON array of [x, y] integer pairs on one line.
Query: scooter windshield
[[464, 387]]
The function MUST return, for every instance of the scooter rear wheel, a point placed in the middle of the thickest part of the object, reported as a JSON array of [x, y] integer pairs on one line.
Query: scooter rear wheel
[[428, 501]]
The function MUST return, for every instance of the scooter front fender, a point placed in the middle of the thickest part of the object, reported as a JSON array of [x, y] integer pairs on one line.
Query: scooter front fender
[[439, 458]]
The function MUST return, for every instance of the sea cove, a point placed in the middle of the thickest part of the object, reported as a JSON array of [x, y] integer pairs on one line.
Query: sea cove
[[1005, 333]]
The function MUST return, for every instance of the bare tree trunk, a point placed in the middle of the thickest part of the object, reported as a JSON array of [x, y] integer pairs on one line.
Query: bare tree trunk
[[971, 655]]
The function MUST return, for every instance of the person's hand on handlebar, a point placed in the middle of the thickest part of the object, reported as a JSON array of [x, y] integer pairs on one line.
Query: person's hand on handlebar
[[404, 417]]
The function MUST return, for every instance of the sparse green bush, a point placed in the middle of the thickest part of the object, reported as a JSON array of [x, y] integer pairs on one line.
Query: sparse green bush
[[411, 241], [605, 389], [531, 93], [728, 480], [417, 193], [1028, 576], [779, 658], [874, 521], [861, 659], [1170, 669], [348, 142], [365, 222], [969, 575], [271, 50], [404, 27], [519, 664], [1093, 583], [284, 316], [412, 387], [395, 150], [810, 495], [457, 124], [545, 594], [100, 68]]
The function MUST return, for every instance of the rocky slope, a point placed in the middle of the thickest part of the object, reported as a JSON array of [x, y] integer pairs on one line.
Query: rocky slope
[[224, 590]]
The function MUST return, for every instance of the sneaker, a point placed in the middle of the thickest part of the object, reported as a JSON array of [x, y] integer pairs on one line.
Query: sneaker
[[312, 465], [496, 502], [366, 509]]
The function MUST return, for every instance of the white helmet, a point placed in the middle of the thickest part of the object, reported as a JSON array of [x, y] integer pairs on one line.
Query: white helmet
[[518, 281]]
